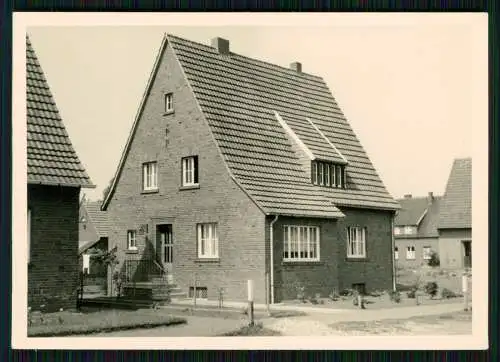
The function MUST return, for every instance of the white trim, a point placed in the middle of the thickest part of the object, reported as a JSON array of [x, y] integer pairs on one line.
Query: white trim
[[326, 139], [294, 136], [131, 233], [297, 246], [150, 171], [359, 240], [211, 242]]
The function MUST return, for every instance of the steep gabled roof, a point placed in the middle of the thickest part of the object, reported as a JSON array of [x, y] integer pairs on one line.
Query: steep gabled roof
[[97, 217], [457, 203], [51, 157], [240, 97], [417, 211]]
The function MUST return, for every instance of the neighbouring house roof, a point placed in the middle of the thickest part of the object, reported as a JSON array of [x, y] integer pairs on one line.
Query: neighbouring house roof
[[97, 217], [243, 100], [84, 246], [419, 212], [52, 159], [457, 202]]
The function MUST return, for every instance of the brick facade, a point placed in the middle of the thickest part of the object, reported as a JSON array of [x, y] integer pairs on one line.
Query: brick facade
[[53, 265], [419, 244]]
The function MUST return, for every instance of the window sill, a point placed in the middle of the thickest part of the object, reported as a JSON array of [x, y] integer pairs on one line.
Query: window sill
[[357, 259], [168, 113], [207, 260], [189, 187], [301, 262], [131, 251], [153, 191]]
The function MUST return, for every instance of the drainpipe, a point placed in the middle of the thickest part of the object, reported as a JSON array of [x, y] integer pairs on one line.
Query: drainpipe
[[393, 243], [271, 256]]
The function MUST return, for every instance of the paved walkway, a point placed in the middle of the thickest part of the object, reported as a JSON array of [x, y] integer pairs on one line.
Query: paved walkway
[[195, 327]]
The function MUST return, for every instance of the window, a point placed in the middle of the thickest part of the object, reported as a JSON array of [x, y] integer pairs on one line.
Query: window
[[190, 171], [408, 230], [410, 252], [301, 243], [29, 235], [150, 176], [208, 242], [426, 252], [356, 242], [169, 102], [131, 240], [327, 174], [396, 253], [86, 263], [397, 230]]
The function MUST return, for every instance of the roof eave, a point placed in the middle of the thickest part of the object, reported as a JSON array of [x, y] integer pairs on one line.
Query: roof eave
[[68, 184]]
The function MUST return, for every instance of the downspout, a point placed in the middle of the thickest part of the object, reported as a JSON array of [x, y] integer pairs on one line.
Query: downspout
[[393, 243], [271, 257]]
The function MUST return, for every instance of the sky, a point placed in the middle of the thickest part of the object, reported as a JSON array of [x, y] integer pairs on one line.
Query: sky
[[412, 88]]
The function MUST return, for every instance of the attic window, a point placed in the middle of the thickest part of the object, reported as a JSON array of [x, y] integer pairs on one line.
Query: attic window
[[169, 102], [328, 174]]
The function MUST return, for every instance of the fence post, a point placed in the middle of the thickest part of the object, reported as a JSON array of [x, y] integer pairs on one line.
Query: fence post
[[194, 291], [250, 302]]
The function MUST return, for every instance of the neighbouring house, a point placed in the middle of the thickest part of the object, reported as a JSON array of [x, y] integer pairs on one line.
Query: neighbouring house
[[236, 169], [55, 177], [415, 230], [93, 236], [455, 219]]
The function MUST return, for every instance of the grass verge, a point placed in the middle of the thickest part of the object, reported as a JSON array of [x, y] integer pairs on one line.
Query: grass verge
[[67, 323], [252, 331]]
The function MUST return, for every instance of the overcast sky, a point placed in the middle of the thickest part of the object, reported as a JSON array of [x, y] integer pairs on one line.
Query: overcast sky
[[411, 90]]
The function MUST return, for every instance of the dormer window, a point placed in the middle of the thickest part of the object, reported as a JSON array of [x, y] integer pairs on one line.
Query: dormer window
[[328, 174]]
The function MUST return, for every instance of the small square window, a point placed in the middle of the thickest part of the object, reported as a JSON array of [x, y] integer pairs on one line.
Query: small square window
[[131, 240], [426, 252], [396, 253], [169, 102], [410, 253]]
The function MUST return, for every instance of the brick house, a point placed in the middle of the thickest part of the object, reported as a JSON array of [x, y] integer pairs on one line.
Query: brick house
[[455, 219], [92, 234], [238, 169], [55, 177], [415, 230]]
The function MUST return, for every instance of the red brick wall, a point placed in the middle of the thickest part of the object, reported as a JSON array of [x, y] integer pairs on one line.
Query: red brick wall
[[334, 270], [53, 269], [218, 199]]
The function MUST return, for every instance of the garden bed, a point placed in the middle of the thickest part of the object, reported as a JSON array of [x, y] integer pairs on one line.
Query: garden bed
[[68, 323], [252, 331]]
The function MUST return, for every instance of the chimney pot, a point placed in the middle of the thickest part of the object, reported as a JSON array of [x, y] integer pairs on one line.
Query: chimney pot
[[221, 45], [296, 66], [408, 196]]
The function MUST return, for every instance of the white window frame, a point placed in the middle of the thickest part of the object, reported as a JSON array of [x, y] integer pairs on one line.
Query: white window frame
[[356, 242], [208, 247], [410, 252], [408, 230], [426, 255], [396, 253], [150, 176], [169, 102], [189, 171], [131, 239], [397, 230], [305, 249]]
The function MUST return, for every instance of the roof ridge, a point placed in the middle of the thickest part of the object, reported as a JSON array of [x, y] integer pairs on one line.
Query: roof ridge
[[281, 67]]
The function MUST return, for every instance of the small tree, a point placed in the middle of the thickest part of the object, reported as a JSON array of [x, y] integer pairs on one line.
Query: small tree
[[109, 259], [431, 288], [434, 259]]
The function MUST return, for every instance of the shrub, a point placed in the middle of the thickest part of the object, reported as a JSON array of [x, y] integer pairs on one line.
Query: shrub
[[334, 296], [434, 260], [395, 296], [431, 288], [447, 293], [411, 294]]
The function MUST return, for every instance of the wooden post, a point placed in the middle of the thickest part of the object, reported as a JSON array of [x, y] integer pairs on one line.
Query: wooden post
[[250, 302], [194, 291], [268, 294], [465, 290]]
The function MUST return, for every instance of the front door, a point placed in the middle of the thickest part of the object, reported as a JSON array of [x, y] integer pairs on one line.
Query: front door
[[166, 248], [467, 254]]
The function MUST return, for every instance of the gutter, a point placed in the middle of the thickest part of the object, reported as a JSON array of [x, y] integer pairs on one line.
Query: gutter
[[271, 256]]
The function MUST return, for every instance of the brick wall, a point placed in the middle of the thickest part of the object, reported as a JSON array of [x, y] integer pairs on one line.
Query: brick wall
[[218, 199], [335, 270], [419, 244], [53, 268]]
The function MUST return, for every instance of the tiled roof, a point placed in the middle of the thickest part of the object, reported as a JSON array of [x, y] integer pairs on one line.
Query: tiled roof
[[51, 157], [240, 97], [412, 211], [457, 201], [97, 217]]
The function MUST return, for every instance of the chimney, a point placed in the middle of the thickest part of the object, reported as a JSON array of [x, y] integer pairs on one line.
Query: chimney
[[430, 198], [221, 45], [296, 66], [408, 196]]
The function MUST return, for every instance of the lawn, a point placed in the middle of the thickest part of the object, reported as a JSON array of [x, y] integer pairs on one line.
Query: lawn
[[67, 323], [457, 323], [253, 331]]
